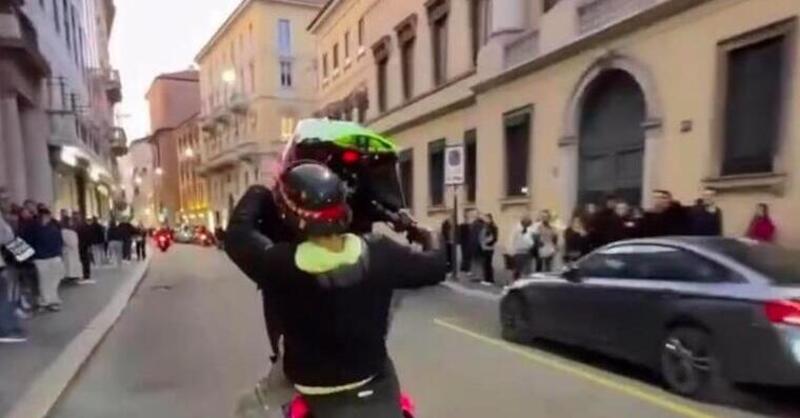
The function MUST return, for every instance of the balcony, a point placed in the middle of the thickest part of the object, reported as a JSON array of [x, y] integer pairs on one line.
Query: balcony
[[18, 38], [208, 125], [594, 15], [221, 115], [522, 49], [113, 85], [119, 142]]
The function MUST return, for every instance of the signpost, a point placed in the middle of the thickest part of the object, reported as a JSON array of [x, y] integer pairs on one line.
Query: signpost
[[454, 171]]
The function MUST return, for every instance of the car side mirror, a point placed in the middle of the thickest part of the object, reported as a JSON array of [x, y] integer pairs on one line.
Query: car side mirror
[[571, 274]]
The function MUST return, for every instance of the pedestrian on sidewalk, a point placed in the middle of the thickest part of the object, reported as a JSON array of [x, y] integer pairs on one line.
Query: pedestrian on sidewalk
[[49, 246], [447, 234], [140, 239], [762, 228], [84, 247], [706, 216], [546, 242], [576, 241], [10, 330], [521, 247], [128, 231], [71, 253], [488, 240], [98, 242], [116, 239]]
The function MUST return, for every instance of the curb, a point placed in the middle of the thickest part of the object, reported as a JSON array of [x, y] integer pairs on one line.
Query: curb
[[48, 387], [464, 290]]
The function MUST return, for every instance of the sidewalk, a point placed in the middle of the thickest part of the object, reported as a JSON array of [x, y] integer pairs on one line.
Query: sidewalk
[[50, 334]]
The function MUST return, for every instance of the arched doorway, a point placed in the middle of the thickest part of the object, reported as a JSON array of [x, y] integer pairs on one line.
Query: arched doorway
[[612, 138]]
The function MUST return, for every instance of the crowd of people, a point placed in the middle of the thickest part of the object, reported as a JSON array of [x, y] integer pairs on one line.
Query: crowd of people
[[542, 243], [41, 252]]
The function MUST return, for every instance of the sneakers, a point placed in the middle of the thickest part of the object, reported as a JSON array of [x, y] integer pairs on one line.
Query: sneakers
[[82, 282], [14, 337], [22, 313]]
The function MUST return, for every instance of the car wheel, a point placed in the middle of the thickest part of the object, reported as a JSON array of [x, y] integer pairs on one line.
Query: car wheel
[[514, 320], [688, 364]]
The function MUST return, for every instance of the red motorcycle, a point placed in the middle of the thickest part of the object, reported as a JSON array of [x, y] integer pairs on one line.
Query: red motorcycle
[[163, 242], [298, 408]]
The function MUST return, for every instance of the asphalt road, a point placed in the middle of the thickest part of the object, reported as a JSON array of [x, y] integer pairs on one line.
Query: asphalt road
[[192, 341]]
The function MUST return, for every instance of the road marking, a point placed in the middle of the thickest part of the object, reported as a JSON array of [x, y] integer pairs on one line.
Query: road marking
[[482, 294], [584, 373]]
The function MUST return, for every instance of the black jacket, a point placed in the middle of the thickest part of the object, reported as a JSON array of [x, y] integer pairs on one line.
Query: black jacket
[[335, 332], [705, 223], [672, 221]]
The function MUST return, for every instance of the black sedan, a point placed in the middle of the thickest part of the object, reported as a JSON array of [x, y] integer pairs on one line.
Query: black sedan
[[702, 312]]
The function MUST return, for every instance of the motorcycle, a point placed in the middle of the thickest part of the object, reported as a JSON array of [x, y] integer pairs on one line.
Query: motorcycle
[[163, 242], [298, 408]]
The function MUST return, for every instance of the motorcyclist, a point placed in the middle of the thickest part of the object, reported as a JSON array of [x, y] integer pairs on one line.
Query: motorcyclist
[[333, 291], [363, 159]]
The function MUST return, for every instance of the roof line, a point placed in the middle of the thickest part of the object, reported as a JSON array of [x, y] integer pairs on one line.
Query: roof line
[[172, 78], [318, 17]]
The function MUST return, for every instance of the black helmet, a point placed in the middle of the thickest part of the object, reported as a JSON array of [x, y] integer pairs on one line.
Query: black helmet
[[313, 200]]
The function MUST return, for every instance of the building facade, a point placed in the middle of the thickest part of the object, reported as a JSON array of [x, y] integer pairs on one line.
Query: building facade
[[24, 164], [78, 97], [560, 102], [257, 78], [174, 99], [194, 208], [138, 178]]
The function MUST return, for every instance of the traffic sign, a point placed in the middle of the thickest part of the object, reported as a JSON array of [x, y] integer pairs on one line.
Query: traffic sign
[[454, 165]]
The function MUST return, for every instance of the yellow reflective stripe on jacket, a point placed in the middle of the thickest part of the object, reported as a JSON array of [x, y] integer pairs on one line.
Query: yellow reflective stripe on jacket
[[330, 390]]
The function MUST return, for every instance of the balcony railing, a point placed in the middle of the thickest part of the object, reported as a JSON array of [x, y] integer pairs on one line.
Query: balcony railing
[[597, 14], [18, 32], [239, 103], [119, 142], [63, 128], [113, 85], [522, 49]]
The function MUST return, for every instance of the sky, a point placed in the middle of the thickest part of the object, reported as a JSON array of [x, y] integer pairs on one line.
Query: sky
[[151, 37]]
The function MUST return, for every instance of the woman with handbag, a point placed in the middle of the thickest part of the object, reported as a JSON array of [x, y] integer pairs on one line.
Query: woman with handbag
[[10, 331]]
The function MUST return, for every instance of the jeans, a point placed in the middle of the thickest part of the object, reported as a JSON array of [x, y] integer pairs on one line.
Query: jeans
[[86, 262], [115, 252], [141, 252], [522, 265], [544, 264], [50, 272], [8, 320]]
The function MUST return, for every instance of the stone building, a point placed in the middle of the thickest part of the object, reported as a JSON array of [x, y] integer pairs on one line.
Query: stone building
[[257, 78], [559, 102]]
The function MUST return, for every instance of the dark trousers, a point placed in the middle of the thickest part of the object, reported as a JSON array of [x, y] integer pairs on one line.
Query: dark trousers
[[466, 258], [383, 402], [8, 320], [450, 248], [86, 262], [488, 268], [126, 249], [141, 252], [544, 264], [273, 324]]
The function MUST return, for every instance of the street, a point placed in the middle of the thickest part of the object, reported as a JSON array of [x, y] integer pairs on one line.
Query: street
[[192, 341]]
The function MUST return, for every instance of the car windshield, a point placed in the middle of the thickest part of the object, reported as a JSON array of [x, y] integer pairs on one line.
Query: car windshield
[[780, 265]]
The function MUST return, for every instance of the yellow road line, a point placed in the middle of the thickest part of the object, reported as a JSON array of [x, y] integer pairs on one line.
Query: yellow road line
[[584, 373]]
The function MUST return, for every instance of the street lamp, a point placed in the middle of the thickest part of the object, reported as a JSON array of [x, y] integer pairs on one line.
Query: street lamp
[[138, 180], [188, 153], [159, 171]]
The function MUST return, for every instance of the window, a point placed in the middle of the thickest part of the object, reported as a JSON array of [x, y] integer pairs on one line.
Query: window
[[346, 45], [56, 19], [437, 14], [406, 36], [67, 33], [324, 66], [287, 128], [361, 32], [335, 56], [471, 166], [382, 69], [406, 160], [753, 103], [74, 34], [284, 38], [517, 146], [653, 262], [479, 25], [436, 172], [286, 73], [252, 76]]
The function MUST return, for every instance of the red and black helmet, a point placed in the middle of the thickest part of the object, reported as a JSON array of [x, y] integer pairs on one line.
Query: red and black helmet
[[313, 200]]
